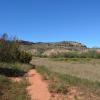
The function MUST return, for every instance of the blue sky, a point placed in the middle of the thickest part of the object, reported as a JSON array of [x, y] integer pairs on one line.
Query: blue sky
[[52, 20]]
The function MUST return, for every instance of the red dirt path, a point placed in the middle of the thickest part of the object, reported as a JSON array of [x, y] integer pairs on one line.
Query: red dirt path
[[37, 89]]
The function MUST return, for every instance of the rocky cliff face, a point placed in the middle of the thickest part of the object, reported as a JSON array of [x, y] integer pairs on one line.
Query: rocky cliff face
[[70, 45]]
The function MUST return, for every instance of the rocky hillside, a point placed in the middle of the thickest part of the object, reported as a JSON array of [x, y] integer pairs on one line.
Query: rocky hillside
[[51, 47], [69, 45]]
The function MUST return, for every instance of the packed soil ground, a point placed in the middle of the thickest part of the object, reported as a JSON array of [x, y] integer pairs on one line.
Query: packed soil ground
[[37, 89]]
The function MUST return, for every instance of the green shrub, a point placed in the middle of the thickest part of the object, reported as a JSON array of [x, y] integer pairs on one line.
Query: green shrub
[[10, 52], [74, 54], [90, 54], [71, 55], [25, 57], [8, 49]]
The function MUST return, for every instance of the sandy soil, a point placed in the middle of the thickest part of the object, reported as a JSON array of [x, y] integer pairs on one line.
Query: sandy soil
[[37, 89]]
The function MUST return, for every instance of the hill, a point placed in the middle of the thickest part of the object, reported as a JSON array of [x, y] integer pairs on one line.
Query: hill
[[70, 45], [48, 48]]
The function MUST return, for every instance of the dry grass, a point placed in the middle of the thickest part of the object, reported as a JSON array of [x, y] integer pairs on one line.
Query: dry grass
[[10, 90], [64, 86], [90, 71]]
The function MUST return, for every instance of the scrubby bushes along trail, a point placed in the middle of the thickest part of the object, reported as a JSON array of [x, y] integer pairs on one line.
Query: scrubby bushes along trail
[[77, 54], [10, 52]]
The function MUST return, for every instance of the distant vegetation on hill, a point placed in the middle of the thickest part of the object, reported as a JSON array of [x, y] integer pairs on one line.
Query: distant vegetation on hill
[[71, 45], [45, 49], [67, 49]]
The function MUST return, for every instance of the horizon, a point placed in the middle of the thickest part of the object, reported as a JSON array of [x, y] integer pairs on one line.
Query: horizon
[[52, 20], [58, 41]]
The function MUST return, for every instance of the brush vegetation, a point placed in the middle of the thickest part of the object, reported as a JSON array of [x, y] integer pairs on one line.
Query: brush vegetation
[[10, 52], [13, 63], [10, 90], [76, 54]]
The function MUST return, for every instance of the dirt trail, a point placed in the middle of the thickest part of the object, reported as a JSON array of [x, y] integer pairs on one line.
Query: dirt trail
[[37, 89]]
